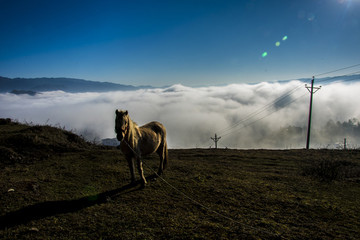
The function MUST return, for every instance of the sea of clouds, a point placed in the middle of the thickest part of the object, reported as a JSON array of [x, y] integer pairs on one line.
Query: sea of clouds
[[264, 115]]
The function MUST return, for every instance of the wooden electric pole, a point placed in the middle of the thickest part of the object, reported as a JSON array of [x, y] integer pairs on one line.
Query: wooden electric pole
[[311, 90], [216, 139]]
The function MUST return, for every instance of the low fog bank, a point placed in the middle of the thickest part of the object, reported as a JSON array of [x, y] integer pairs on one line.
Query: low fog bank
[[245, 116]]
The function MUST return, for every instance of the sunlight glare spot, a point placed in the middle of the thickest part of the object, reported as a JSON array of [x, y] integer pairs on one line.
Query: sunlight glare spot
[[277, 44], [264, 54], [284, 38]]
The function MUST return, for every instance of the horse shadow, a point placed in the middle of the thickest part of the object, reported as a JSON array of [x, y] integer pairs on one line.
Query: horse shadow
[[51, 208]]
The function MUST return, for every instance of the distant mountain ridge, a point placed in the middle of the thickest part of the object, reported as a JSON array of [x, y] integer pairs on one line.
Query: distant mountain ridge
[[328, 80], [34, 85], [63, 84]]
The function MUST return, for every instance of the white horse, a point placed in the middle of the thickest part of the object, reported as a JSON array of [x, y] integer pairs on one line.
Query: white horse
[[140, 141]]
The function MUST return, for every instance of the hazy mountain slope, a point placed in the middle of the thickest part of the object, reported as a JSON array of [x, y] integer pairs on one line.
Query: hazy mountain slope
[[63, 84]]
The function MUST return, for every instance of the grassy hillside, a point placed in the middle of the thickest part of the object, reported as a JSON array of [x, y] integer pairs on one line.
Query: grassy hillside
[[54, 185]]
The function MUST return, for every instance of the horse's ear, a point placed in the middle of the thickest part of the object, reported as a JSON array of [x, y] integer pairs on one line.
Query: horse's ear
[[116, 111], [126, 112]]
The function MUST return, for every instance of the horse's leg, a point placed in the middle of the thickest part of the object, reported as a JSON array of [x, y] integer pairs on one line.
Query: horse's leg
[[160, 152], [131, 167], [163, 154], [141, 170]]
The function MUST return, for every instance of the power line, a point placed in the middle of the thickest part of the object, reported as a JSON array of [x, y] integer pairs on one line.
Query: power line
[[337, 70], [278, 100], [276, 110], [260, 110], [288, 104], [343, 80]]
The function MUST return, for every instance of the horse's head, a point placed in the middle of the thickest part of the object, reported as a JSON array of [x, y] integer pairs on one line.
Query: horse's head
[[121, 124]]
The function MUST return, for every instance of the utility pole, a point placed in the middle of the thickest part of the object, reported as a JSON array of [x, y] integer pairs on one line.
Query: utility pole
[[216, 139], [311, 90], [344, 143]]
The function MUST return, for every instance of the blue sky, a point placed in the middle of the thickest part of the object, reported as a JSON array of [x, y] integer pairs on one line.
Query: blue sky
[[193, 42]]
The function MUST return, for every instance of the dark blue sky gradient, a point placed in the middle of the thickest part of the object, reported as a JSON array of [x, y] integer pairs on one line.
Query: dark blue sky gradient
[[166, 42]]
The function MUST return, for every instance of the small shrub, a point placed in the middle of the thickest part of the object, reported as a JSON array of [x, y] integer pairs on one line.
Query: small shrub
[[332, 169], [5, 121]]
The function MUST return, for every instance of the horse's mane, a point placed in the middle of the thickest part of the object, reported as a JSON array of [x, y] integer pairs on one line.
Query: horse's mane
[[133, 132]]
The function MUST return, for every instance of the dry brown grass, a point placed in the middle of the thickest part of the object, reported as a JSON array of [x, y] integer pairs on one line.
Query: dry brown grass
[[65, 188]]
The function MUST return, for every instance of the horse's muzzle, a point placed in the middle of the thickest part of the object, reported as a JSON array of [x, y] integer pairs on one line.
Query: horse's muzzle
[[119, 137]]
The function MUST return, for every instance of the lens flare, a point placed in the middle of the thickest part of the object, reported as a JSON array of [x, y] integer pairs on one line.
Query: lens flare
[[310, 17], [277, 44]]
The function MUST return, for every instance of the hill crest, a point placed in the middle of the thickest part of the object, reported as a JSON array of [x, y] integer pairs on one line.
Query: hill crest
[[22, 143]]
